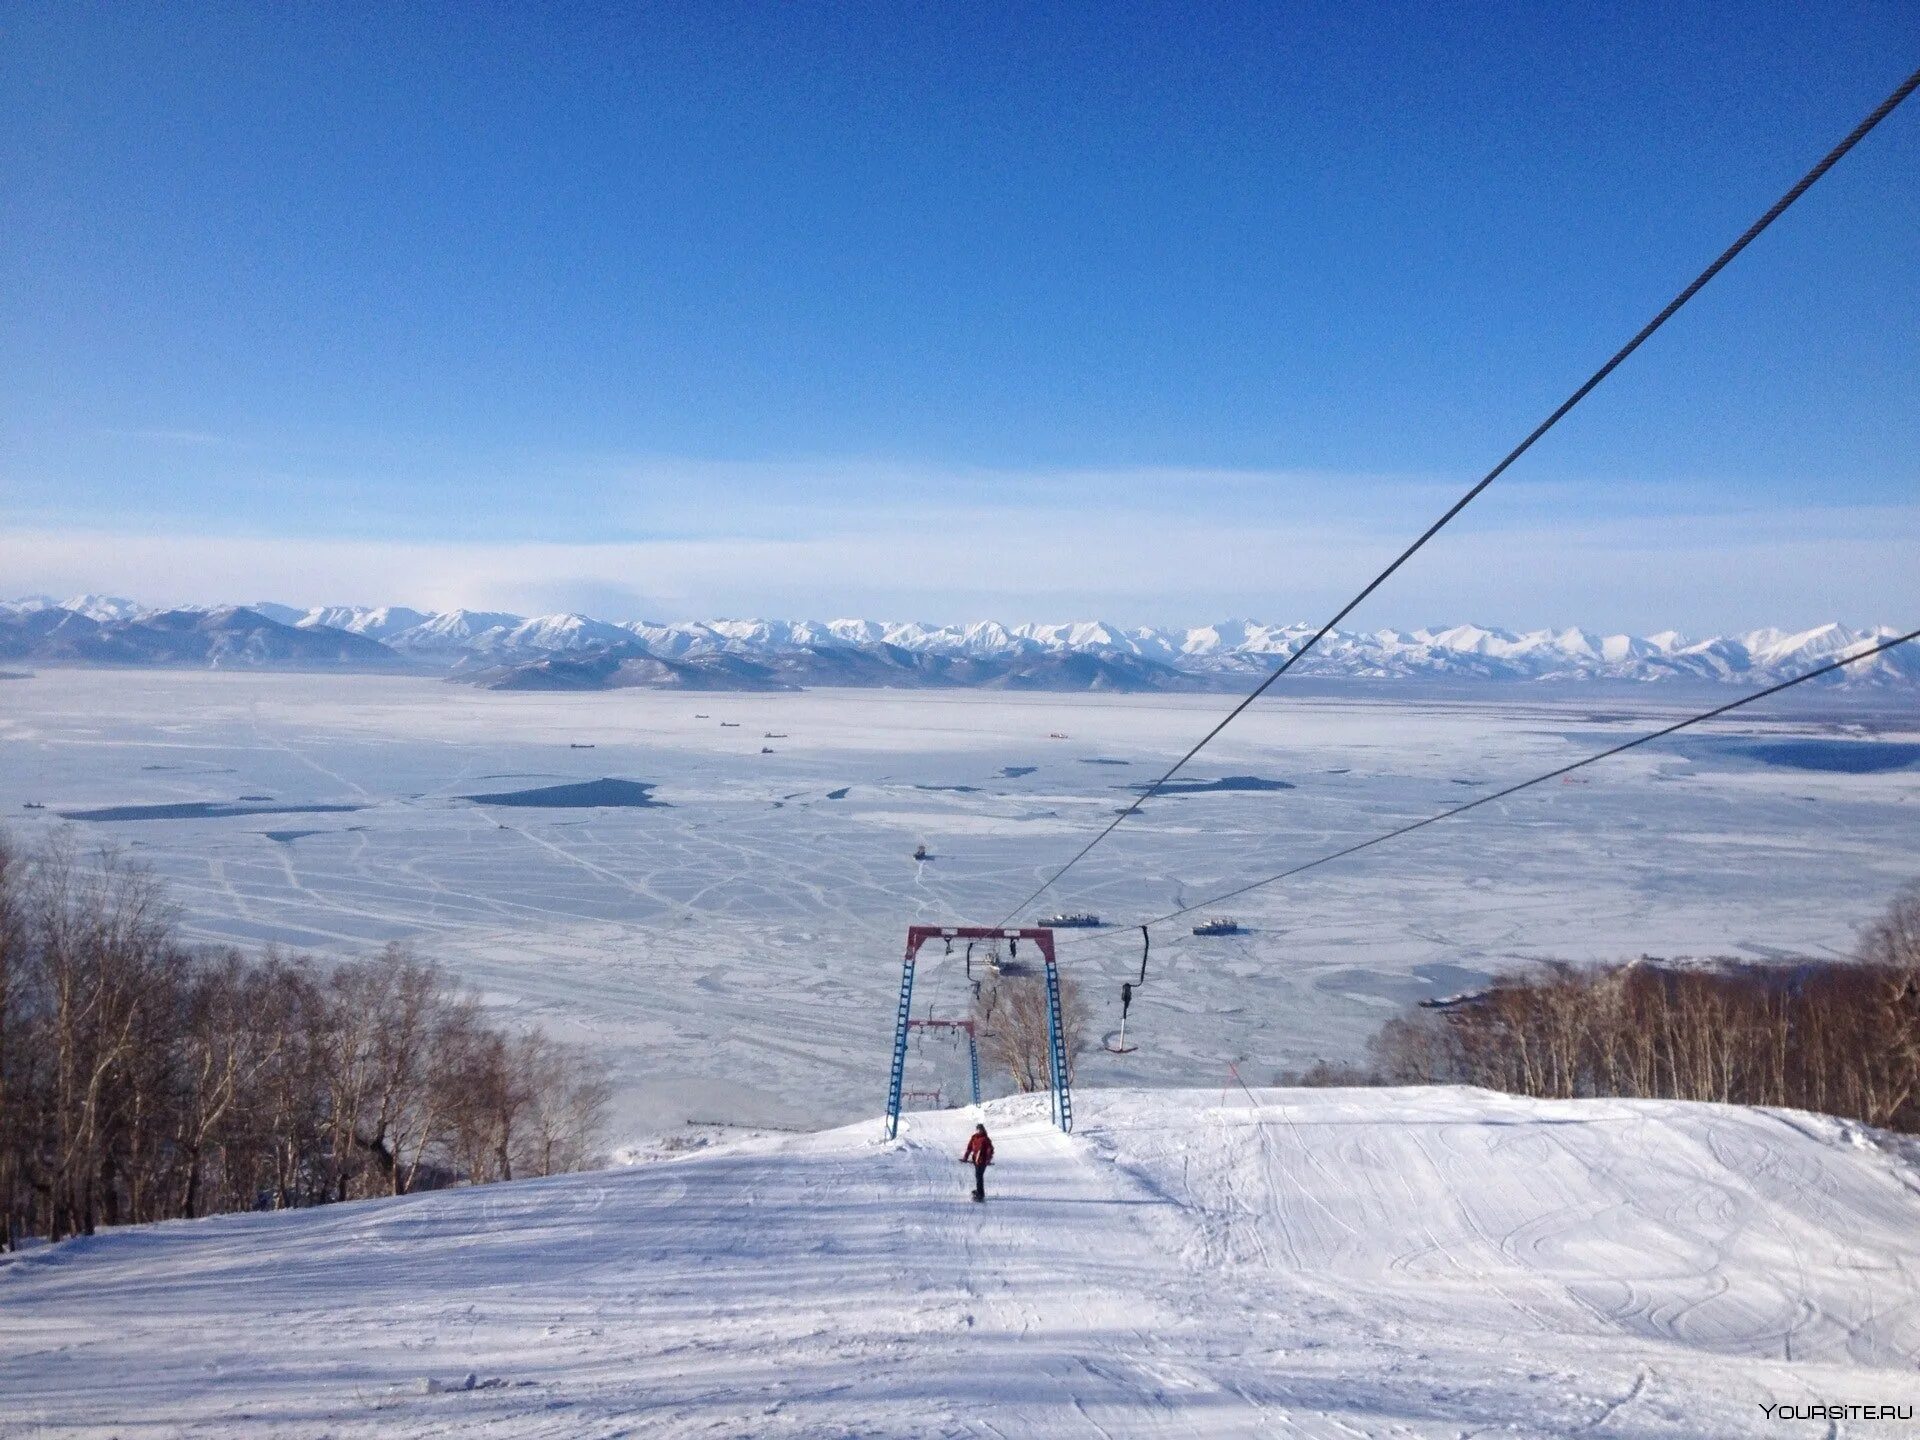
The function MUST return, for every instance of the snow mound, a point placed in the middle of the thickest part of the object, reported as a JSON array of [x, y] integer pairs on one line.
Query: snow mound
[[1389, 1262]]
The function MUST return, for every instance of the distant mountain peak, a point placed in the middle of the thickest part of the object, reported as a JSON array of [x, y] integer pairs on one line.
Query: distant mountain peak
[[760, 653]]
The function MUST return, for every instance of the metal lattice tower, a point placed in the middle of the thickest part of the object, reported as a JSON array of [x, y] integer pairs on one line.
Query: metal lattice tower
[[1057, 1050], [904, 1023], [900, 1045]]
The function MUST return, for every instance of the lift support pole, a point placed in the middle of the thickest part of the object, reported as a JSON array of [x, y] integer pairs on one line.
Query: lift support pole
[[1057, 1051], [900, 1023]]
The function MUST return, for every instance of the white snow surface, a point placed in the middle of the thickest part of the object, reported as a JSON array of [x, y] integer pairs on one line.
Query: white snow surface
[[1338, 1263]]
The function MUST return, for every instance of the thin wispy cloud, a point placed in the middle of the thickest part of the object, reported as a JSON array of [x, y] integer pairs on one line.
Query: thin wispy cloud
[[947, 561]]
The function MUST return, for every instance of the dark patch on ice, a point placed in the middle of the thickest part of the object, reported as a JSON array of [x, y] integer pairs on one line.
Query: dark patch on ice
[[1102, 760], [1014, 772], [1833, 757], [1342, 770], [256, 799], [1470, 782], [287, 837], [1215, 787], [194, 769], [200, 810], [1840, 757], [955, 789], [584, 795], [1423, 982], [1452, 977], [839, 794]]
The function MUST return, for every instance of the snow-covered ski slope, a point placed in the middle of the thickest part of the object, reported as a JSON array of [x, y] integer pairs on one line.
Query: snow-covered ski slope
[[1313, 1263]]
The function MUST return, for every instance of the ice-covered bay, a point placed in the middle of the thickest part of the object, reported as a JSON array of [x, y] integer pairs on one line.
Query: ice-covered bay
[[734, 946]]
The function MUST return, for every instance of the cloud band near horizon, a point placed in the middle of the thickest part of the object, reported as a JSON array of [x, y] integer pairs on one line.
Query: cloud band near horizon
[[1701, 571]]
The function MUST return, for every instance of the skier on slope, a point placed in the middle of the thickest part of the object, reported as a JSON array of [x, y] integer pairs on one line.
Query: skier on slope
[[979, 1154]]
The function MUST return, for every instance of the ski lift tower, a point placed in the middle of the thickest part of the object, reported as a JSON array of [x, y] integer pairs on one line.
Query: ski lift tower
[[904, 1023]]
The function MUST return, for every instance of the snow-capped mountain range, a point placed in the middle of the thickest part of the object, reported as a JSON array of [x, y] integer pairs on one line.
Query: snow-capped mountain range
[[579, 652]]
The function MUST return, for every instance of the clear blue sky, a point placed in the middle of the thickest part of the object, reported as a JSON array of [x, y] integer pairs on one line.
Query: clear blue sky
[[1161, 312]]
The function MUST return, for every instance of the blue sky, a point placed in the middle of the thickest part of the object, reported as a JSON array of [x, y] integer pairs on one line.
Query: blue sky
[[1158, 312]]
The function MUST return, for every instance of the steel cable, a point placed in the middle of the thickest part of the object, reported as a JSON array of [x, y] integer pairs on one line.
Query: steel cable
[[1475, 804], [1752, 232]]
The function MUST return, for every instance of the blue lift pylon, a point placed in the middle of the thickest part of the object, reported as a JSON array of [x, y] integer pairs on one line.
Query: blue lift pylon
[[901, 1023], [1059, 1068], [1057, 1052]]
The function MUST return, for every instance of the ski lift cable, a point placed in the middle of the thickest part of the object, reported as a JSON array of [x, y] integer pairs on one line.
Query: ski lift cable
[[1448, 814], [1752, 232]]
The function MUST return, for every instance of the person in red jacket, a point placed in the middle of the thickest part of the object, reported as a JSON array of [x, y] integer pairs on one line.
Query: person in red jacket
[[979, 1154]]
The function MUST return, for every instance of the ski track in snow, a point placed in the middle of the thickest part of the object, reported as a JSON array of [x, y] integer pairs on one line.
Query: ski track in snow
[[1400, 1263]]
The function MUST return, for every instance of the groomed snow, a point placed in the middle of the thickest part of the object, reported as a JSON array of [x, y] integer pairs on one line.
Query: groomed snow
[[1316, 1263]]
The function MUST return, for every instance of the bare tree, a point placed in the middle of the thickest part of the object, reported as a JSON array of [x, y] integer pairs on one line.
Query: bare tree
[[233, 1035], [102, 931], [490, 1095], [1417, 1049], [15, 1117], [139, 1081], [1842, 1037], [1010, 1015], [568, 1093], [1894, 938]]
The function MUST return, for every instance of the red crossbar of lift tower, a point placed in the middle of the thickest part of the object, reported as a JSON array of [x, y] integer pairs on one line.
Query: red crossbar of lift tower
[[918, 935]]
